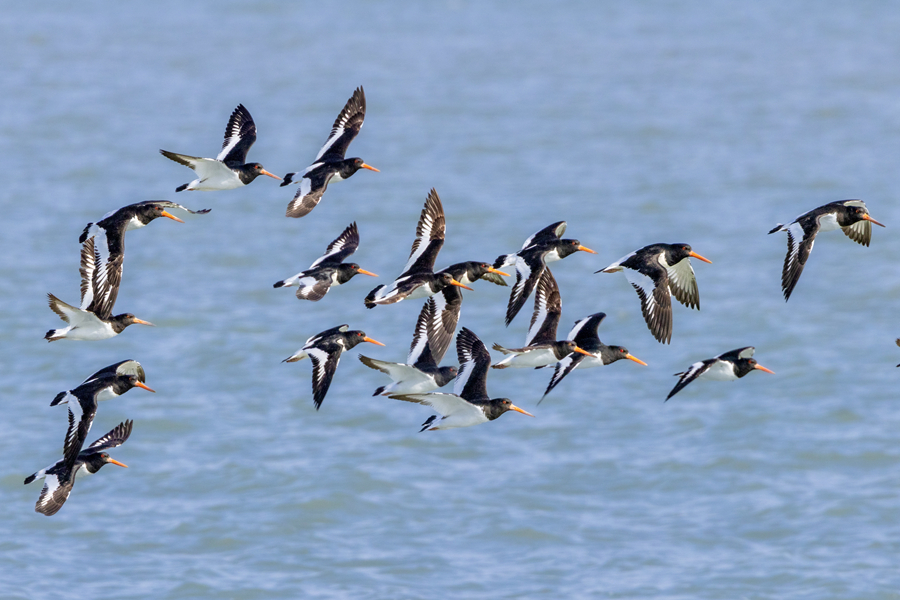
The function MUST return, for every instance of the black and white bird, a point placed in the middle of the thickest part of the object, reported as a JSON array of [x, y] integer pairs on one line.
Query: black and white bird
[[82, 405], [725, 367], [657, 272], [469, 404], [58, 483], [418, 279], [230, 168], [541, 347], [448, 303], [584, 333], [324, 350], [421, 372], [330, 165], [103, 249], [851, 216], [542, 248], [329, 269]]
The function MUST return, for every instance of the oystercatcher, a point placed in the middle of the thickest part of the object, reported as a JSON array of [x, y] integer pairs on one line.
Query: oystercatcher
[[656, 272], [229, 169], [82, 407], [103, 250], [324, 349], [584, 333], [418, 279], [543, 247], [108, 391], [851, 216], [725, 367], [420, 373], [541, 348], [469, 404], [329, 269], [58, 482], [330, 164]]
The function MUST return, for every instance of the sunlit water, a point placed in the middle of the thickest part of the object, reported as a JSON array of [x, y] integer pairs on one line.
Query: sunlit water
[[636, 123]]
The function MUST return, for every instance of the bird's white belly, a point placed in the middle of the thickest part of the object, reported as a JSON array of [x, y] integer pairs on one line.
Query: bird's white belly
[[720, 371], [533, 358], [92, 331], [588, 362]]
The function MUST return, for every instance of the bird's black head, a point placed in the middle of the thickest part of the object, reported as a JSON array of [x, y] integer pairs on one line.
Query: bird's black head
[[352, 165], [498, 406], [567, 247], [150, 211], [611, 354], [675, 253], [251, 171], [95, 462], [445, 375], [120, 322], [357, 337]]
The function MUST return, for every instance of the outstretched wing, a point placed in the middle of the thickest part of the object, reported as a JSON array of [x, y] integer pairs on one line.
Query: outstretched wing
[[114, 438], [656, 302], [343, 246], [683, 283], [346, 126], [474, 361], [547, 310], [800, 245], [563, 368], [240, 133], [690, 374], [527, 274], [429, 236], [324, 365]]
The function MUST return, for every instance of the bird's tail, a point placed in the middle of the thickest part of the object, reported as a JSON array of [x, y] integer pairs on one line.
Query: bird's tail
[[289, 178], [428, 423]]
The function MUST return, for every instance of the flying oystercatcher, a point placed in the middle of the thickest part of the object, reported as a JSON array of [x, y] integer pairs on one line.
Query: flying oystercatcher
[[725, 367]]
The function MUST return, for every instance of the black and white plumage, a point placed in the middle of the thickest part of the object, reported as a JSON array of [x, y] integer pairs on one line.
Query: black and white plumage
[[448, 302], [329, 269], [543, 247], [58, 483], [324, 350], [230, 169], [584, 333], [418, 279], [657, 272], [469, 404], [541, 347], [725, 367], [102, 262], [82, 406], [851, 216], [421, 372], [330, 165]]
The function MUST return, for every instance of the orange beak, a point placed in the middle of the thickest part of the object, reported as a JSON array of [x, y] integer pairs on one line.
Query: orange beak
[[635, 359], [580, 351], [369, 273], [462, 285], [493, 270], [698, 257], [762, 368], [166, 213], [371, 341], [141, 385], [868, 218], [143, 322], [115, 462], [517, 409], [585, 249], [264, 172], [369, 167]]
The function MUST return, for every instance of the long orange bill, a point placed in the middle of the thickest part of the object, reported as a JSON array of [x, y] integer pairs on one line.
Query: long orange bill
[[369, 167], [144, 386], [166, 213], [371, 341], [698, 257], [580, 351], [115, 462], [762, 368], [868, 218], [264, 172], [586, 249], [143, 322], [517, 409], [493, 270], [370, 273], [635, 359], [462, 285]]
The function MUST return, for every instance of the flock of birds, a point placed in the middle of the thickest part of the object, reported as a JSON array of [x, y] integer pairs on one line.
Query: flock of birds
[[656, 272]]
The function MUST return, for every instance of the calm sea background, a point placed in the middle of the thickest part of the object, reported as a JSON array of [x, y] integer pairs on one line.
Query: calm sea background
[[705, 123]]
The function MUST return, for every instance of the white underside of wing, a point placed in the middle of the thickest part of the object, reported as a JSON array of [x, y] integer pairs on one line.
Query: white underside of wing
[[455, 411], [647, 285], [542, 357]]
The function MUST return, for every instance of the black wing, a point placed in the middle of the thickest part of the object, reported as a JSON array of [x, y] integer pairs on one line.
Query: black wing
[[547, 310], [429, 236], [690, 374], [343, 246], [240, 133], [529, 268], [346, 126], [474, 361], [114, 438]]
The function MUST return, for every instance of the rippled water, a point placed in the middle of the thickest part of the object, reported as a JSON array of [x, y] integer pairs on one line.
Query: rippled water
[[637, 123]]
